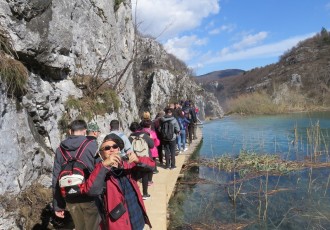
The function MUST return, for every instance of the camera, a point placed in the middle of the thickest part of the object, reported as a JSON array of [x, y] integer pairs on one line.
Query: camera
[[124, 157]]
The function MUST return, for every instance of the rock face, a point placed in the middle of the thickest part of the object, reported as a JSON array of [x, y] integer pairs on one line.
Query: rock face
[[58, 41], [161, 79]]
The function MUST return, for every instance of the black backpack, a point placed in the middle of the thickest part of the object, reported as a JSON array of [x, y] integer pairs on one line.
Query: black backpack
[[187, 113], [73, 173], [166, 130]]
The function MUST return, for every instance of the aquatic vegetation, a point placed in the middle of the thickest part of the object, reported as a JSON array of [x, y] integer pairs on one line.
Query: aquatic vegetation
[[249, 164]]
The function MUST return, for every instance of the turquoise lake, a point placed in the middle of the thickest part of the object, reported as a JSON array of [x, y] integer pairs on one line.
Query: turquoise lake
[[297, 200]]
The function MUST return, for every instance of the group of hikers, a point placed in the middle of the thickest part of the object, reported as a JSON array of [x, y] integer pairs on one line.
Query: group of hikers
[[98, 185]]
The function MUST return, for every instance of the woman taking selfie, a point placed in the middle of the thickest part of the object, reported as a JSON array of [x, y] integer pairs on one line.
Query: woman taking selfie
[[112, 179]]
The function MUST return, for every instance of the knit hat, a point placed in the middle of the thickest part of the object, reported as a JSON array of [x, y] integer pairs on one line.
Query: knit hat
[[93, 127], [115, 138]]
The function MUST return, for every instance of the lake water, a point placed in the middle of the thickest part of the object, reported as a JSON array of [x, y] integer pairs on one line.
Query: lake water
[[298, 200]]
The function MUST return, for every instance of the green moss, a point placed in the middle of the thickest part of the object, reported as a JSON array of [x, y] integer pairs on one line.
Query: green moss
[[106, 101]]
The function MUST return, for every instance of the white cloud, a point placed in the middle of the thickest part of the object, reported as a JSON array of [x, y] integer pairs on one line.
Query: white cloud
[[223, 28], [327, 6], [250, 40], [181, 47], [168, 18], [263, 51]]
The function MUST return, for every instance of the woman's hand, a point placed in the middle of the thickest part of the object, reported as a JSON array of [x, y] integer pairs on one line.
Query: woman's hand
[[132, 157], [112, 161], [60, 214]]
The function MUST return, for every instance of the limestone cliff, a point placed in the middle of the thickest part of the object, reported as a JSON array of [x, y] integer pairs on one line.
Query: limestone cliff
[[59, 42]]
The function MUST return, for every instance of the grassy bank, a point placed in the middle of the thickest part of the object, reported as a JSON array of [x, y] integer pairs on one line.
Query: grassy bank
[[261, 103]]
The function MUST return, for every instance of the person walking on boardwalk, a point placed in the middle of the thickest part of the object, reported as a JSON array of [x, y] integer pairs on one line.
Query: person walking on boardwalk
[[191, 116], [82, 207], [142, 143], [114, 128], [146, 124], [169, 128], [112, 178], [181, 138], [156, 123]]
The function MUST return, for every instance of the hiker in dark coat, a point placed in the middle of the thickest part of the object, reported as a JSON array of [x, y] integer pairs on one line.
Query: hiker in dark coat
[[191, 116], [169, 143], [156, 123], [82, 208]]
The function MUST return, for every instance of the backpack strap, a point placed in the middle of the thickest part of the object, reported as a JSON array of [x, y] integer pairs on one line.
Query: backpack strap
[[64, 152], [67, 156], [82, 148]]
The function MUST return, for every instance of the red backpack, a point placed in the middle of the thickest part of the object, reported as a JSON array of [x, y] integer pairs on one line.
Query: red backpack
[[73, 173]]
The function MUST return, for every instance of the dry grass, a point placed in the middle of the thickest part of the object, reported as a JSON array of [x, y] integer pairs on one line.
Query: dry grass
[[253, 103], [250, 165], [32, 202], [5, 41], [13, 74]]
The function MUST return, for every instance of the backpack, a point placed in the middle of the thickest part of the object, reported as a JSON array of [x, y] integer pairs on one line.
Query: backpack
[[166, 130], [73, 172], [140, 146]]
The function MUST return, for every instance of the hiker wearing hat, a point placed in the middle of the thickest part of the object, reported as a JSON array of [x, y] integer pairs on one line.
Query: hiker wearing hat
[[123, 204], [93, 131]]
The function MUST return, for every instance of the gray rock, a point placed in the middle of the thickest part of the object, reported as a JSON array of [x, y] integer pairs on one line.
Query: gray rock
[[58, 41]]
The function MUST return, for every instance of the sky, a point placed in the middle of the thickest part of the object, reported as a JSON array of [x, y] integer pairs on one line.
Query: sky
[[211, 35]]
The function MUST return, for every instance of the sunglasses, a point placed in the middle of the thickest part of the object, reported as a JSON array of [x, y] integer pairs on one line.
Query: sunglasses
[[108, 147]]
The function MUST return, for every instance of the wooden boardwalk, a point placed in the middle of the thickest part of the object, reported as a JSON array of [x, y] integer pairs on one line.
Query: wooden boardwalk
[[163, 188]]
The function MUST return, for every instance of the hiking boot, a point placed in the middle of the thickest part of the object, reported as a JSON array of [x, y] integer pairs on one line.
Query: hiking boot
[[146, 197], [155, 171]]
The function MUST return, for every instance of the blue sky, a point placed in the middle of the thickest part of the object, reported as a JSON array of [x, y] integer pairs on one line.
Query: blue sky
[[210, 35]]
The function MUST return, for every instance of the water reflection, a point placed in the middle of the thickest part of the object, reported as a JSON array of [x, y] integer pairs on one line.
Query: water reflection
[[298, 200], [291, 136]]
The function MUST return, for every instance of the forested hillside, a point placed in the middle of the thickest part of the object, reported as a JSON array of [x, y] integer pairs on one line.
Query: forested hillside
[[300, 80]]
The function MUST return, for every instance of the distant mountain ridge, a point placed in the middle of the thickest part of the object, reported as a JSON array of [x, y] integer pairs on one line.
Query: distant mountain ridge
[[215, 75], [300, 79]]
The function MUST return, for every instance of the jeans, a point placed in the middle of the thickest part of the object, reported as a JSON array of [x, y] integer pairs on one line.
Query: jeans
[[181, 139]]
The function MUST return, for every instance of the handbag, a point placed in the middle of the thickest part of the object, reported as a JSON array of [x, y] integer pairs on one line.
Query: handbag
[[117, 211]]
